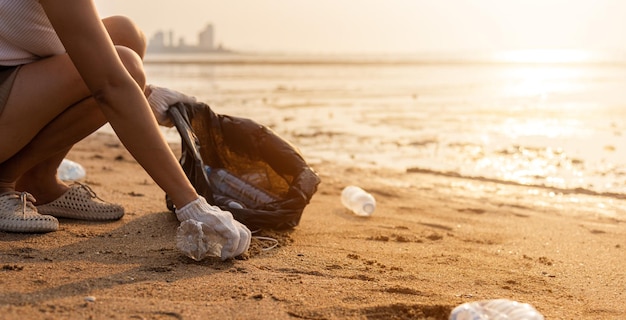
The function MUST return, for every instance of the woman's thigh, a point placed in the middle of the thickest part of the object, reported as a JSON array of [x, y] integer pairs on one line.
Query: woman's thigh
[[41, 91]]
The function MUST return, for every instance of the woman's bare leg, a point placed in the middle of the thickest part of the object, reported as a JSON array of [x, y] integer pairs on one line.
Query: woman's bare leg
[[52, 129], [83, 118], [56, 139], [125, 33]]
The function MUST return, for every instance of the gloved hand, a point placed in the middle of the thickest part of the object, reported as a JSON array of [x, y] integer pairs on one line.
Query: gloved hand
[[160, 99], [236, 234]]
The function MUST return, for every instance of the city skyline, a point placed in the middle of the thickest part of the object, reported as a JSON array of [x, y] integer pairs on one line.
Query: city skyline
[[164, 41], [370, 26]]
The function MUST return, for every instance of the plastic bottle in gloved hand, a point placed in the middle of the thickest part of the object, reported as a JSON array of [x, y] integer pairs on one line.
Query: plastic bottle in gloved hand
[[198, 241], [233, 236]]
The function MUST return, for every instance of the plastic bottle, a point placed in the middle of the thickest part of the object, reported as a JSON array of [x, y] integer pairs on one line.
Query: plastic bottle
[[358, 201], [70, 170], [198, 241], [501, 309], [223, 201], [226, 184]]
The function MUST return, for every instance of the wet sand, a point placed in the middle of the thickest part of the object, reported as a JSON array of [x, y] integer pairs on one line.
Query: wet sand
[[428, 248]]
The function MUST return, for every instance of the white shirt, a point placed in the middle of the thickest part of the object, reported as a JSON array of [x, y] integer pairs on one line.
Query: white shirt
[[26, 34]]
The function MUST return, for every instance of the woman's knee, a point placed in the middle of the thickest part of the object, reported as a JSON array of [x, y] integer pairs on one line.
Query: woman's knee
[[124, 32], [133, 63]]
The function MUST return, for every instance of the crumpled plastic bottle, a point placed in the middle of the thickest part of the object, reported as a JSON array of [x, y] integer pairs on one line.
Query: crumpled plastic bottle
[[198, 241], [69, 170], [497, 309]]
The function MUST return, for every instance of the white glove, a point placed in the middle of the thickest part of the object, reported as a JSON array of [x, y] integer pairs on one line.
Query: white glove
[[160, 100], [237, 235]]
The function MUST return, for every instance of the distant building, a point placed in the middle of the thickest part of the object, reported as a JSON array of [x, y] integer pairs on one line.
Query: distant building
[[206, 39]]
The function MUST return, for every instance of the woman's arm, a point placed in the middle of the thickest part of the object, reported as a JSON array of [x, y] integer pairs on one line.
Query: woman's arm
[[124, 105], [122, 100]]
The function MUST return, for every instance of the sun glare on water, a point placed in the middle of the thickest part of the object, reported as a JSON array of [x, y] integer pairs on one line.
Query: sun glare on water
[[541, 73], [540, 81]]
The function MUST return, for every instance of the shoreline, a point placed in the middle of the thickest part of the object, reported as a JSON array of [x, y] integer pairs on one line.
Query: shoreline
[[172, 137], [432, 244], [510, 57]]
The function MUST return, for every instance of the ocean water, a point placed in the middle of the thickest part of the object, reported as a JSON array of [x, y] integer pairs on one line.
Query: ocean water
[[558, 128]]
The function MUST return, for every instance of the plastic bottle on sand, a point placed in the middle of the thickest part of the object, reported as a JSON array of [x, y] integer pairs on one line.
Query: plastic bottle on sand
[[198, 241], [498, 309], [70, 170], [231, 186], [358, 201]]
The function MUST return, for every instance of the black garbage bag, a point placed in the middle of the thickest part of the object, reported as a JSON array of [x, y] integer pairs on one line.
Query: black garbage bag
[[246, 149]]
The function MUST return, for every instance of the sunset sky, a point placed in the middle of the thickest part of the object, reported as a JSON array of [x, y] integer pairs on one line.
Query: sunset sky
[[395, 26]]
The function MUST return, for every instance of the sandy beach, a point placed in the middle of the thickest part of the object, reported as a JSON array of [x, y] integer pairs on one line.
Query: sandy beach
[[430, 246]]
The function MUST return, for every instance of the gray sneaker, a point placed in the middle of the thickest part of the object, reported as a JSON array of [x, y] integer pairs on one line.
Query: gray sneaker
[[80, 202], [19, 214]]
